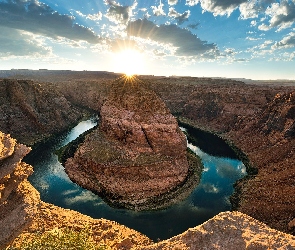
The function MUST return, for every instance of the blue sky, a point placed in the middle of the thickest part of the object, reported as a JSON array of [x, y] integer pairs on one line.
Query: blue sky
[[213, 38]]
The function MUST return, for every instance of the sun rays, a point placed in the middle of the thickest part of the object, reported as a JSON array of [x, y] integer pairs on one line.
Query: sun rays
[[129, 80]]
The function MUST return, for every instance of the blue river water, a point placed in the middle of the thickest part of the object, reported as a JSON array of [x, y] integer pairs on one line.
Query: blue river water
[[209, 198]]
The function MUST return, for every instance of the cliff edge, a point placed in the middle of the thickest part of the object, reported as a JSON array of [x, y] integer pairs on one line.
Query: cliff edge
[[19, 201]]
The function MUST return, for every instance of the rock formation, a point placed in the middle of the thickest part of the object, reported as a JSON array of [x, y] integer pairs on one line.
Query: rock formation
[[23, 213], [137, 155], [31, 112], [18, 199], [259, 120], [251, 116], [230, 231]]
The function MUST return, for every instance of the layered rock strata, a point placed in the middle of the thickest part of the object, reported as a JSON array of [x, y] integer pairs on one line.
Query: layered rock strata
[[19, 201], [32, 112], [137, 154]]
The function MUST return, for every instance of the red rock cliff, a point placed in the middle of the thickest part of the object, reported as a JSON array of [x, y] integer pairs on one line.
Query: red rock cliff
[[138, 152]]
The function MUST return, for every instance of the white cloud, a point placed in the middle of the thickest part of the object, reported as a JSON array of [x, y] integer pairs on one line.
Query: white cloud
[[95, 17], [287, 42], [20, 43], [192, 2], [39, 18], [252, 38], [282, 15], [85, 196], [248, 9], [186, 43], [264, 27], [221, 7], [158, 10], [172, 2], [266, 44]]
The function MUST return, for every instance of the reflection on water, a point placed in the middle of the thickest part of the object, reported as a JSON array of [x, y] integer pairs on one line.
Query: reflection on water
[[207, 200]]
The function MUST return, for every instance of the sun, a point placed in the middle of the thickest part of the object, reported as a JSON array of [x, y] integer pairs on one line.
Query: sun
[[129, 61]]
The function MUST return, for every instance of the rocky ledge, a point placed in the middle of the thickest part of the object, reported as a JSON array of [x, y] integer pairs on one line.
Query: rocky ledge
[[19, 201], [137, 158], [230, 231]]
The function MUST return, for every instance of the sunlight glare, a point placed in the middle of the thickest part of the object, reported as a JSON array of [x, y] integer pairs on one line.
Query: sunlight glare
[[129, 62]]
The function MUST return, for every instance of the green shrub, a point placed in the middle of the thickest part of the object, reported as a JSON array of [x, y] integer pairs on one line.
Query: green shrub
[[57, 239]]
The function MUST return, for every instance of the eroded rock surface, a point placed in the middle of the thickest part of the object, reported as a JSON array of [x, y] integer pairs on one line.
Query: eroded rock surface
[[137, 154], [230, 231], [31, 112], [18, 199]]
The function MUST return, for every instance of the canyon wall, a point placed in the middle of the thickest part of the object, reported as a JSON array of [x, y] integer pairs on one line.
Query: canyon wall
[[260, 121], [32, 112]]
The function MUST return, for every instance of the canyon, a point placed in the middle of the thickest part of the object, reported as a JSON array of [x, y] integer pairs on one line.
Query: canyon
[[137, 158], [256, 118], [24, 215]]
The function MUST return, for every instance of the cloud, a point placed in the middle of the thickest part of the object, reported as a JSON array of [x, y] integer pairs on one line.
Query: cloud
[[186, 43], [210, 188], [39, 18], [180, 18], [221, 7], [172, 2], [119, 14], [287, 42], [191, 2], [282, 16], [249, 9], [158, 10], [252, 8], [19, 43], [83, 197], [94, 17], [229, 171]]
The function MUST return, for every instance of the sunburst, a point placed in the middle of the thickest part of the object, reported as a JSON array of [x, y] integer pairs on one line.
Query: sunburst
[[130, 80]]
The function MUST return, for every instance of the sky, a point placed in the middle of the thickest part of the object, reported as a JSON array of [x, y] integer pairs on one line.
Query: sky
[[252, 39]]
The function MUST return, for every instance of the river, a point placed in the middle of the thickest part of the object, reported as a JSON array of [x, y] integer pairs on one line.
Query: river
[[209, 198]]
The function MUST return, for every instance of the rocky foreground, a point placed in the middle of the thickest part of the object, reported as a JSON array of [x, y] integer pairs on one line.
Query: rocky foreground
[[23, 214], [137, 158]]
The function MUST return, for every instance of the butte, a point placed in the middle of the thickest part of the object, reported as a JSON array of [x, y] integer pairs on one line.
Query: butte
[[137, 158]]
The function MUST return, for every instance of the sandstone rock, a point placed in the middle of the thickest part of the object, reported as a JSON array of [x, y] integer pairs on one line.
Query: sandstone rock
[[230, 231], [6, 146], [137, 154], [31, 112], [104, 232], [18, 199]]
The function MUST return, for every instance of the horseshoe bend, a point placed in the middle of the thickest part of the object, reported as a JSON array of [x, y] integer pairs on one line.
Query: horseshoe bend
[[256, 118], [137, 158]]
